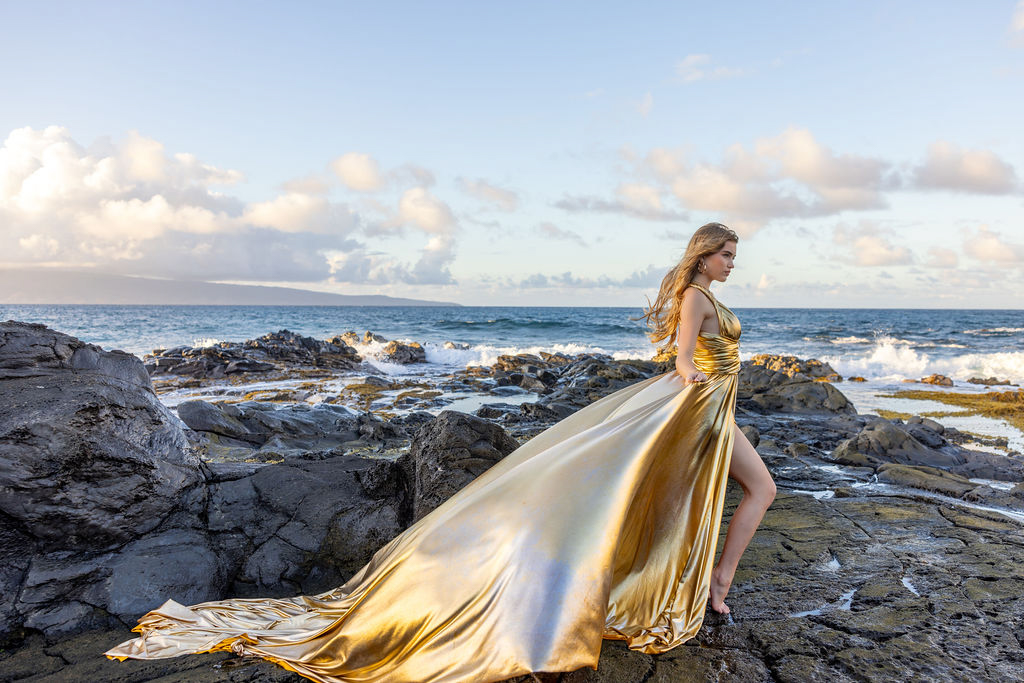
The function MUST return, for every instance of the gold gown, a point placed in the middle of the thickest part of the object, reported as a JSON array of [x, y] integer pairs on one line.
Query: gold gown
[[603, 526]]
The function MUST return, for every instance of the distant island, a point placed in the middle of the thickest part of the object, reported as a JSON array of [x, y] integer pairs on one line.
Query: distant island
[[52, 286]]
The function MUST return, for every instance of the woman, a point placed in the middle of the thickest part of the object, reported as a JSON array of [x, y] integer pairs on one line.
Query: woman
[[603, 526]]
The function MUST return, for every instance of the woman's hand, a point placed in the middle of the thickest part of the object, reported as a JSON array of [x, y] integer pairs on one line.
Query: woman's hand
[[690, 374]]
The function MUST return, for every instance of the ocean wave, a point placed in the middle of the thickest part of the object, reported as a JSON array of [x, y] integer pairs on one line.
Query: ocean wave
[[995, 331], [850, 340], [520, 325], [205, 342], [889, 359]]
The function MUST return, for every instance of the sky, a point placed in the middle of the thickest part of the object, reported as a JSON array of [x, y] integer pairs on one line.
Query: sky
[[869, 154]]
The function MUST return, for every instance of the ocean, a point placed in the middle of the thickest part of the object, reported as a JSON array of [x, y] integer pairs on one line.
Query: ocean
[[884, 346], [876, 344]]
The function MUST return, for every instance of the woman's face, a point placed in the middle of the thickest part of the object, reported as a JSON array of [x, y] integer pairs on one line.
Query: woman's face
[[719, 264]]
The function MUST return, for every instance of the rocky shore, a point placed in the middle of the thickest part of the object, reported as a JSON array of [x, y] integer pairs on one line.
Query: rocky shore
[[892, 552]]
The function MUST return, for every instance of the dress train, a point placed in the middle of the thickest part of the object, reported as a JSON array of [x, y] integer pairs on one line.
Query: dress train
[[603, 526]]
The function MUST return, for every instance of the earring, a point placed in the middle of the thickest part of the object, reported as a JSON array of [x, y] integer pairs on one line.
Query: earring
[[701, 266]]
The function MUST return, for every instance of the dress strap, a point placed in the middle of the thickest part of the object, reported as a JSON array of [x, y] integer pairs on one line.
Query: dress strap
[[714, 302], [706, 292]]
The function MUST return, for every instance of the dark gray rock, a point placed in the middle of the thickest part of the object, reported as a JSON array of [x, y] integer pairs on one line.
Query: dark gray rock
[[105, 512], [449, 453], [236, 430], [304, 527], [272, 351], [884, 441], [90, 462], [774, 391]]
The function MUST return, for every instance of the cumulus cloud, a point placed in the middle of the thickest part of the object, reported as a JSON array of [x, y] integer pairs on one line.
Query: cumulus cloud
[[948, 167], [299, 212], [420, 208], [645, 278], [414, 174], [311, 184], [638, 200], [552, 231], [1017, 23], [358, 172], [940, 257], [989, 246], [503, 199], [700, 67], [130, 207], [867, 245], [790, 175], [765, 283]]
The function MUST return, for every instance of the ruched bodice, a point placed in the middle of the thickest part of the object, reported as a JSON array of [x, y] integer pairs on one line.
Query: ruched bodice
[[718, 354]]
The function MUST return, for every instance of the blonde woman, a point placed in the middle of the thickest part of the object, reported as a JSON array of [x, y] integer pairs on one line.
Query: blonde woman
[[688, 315], [604, 526]]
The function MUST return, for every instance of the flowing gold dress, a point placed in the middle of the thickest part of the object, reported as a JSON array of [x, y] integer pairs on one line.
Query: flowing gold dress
[[603, 526]]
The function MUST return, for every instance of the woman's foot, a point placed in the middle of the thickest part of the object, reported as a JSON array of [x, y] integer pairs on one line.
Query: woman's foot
[[719, 589]]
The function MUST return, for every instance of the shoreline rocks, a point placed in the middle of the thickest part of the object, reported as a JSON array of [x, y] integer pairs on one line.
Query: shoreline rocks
[[873, 563]]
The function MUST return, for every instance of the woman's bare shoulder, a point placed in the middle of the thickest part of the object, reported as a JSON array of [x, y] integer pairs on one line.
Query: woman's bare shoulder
[[693, 297]]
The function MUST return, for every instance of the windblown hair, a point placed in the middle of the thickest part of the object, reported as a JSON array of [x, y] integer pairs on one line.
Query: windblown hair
[[663, 315]]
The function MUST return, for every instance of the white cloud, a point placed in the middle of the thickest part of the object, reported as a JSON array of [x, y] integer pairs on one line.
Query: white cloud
[[699, 67], [989, 246], [311, 184], [422, 209], [765, 283], [634, 200], [552, 231], [506, 200], [417, 175], [1017, 22], [948, 167], [866, 245], [132, 208], [641, 198], [790, 175], [358, 172], [39, 247], [940, 257], [298, 212], [665, 163]]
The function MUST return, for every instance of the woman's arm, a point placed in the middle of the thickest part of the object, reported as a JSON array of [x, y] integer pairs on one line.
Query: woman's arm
[[691, 316]]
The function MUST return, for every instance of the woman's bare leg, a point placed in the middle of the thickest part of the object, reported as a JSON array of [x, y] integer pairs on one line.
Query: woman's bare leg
[[749, 471]]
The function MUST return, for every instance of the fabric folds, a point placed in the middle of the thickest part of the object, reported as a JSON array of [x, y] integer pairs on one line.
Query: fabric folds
[[603, 526]]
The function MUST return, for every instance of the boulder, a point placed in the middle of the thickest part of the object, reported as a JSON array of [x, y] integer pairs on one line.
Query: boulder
[[766, 390], [106, 511], [940, 380], [404, 354], [885, 441], [296, 349], [927, 478], [450, 452], [792, 366], [990, 381], [90, 463], [288, 429], [305, 526]]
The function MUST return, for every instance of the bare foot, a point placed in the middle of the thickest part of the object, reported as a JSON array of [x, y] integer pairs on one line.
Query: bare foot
[[719, 589]]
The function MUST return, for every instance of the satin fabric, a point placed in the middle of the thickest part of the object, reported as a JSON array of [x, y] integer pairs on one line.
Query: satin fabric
[[603, 526]]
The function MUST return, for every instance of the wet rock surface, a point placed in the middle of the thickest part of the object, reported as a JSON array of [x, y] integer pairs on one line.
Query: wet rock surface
[[447, 454], [890, 553], [266, 353]]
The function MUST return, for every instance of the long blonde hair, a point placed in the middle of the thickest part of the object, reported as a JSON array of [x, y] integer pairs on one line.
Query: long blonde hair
[[663, 315]]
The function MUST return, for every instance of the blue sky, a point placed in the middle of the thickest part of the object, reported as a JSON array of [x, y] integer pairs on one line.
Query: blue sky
[[869, 154]]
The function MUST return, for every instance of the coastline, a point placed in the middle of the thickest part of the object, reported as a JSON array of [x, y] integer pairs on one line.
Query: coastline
[[855, 552]]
